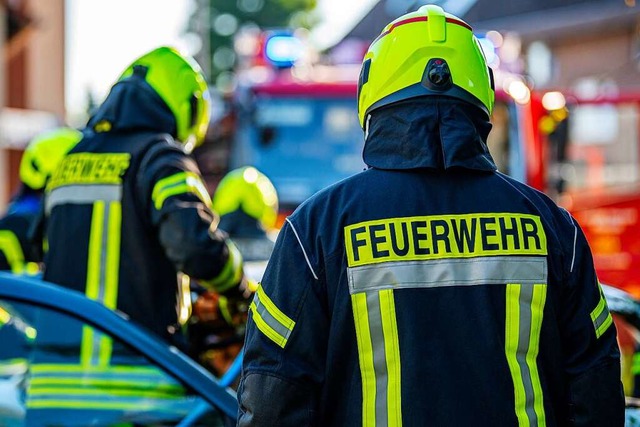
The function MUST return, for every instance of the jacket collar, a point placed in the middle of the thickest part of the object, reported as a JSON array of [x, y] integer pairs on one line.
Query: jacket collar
[[132, 105], [428, 132]]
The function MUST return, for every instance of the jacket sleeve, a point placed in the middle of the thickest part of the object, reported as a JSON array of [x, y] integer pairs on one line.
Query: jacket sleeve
[[179, 206], [285, 342], [595, 395]]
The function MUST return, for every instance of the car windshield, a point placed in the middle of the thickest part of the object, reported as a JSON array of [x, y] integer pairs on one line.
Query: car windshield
[[301, 144], [48, 376]]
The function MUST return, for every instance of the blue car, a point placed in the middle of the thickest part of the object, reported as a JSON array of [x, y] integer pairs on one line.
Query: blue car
[[148, 382]]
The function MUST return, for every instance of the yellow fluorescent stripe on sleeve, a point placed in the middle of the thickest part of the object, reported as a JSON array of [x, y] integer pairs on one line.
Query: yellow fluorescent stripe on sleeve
[[169, 181], [511, 347], [282, 318], [537, 312], [600, 316], [180, 183], [392, 353], [264, 327], [605, 325], [365, 356], [231, 273], [270, 320], [10, 246]]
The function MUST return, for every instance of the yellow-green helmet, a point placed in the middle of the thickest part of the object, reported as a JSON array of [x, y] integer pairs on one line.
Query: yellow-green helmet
[[251, 191], [426, 52], [44, 153], [180, 83]]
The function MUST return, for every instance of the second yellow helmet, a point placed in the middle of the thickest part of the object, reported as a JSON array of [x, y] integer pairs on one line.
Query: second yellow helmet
[[251, 191], [44, 153]]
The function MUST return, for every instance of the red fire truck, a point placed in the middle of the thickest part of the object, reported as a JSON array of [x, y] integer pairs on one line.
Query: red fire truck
[[585, 153]]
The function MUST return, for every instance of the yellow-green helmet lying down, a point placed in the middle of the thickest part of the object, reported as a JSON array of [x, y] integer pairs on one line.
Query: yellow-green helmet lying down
[[179, 81], [44, 153], [422, 53], [251, 191]]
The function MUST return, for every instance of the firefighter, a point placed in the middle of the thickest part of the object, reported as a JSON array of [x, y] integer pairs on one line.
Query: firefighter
[[247, 203], [429, 289], [39, 160], [127, 210]]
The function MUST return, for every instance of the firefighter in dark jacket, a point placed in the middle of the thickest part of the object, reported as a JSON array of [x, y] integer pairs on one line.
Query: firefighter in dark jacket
[[127, 210], [429, 289], [40, 158]]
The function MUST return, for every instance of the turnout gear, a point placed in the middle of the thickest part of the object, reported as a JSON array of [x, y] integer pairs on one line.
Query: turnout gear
[[127, 208], [422, 53], [40, 158], [126, 212], [393, 291]]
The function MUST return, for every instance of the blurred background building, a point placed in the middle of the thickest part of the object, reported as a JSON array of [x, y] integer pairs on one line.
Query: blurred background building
[[586, 47], [31, 79]]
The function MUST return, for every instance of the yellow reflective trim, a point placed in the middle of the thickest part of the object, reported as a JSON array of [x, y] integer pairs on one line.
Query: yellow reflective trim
[[275, 319], [105, 392], [113, 254], [600, 316], [231, 273], [444, 236], [524, 315], [605, 325], [113, 369], [180, 183], [94, 269], [10, 246], [167, 182], [264, 327], [537, 314], [136, 405], [114, 233], [365, 358], [90, 168], [48, 381], [392, 354], [282, 318], [511, 347], [5, 316]]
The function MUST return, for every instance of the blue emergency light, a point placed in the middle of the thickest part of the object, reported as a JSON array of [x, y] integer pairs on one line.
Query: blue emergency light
[[283, 49]]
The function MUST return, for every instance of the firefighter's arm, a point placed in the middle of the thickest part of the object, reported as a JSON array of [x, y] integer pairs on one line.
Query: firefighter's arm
[[179, 206], [285, 343], [592, 356]]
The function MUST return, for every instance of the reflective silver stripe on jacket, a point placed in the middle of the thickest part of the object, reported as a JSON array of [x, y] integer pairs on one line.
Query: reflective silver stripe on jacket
[[448, 272], [82, 194]]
